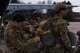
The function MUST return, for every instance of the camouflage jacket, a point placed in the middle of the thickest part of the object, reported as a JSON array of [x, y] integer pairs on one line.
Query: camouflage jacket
[[15, 39], [62, 41], [60, 28]]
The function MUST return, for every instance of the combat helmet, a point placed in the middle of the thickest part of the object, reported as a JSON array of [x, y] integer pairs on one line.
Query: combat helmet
[[59, 6]]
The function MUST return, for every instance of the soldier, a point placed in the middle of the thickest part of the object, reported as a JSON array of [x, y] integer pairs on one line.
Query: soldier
[[14, 36], [54, 32]]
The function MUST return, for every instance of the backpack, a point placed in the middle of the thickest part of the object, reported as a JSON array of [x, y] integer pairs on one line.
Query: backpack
[[48, 38]]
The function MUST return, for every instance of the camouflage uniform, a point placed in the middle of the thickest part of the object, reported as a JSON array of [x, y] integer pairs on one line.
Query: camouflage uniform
[[59, 42], [60, 27], [15, 40], [54, 32]]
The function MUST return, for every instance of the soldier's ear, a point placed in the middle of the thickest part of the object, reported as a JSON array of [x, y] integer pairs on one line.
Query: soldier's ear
[[3, 6]]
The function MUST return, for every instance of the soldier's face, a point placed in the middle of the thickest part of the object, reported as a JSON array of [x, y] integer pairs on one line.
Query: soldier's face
[[64, 12], [18, 24]]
